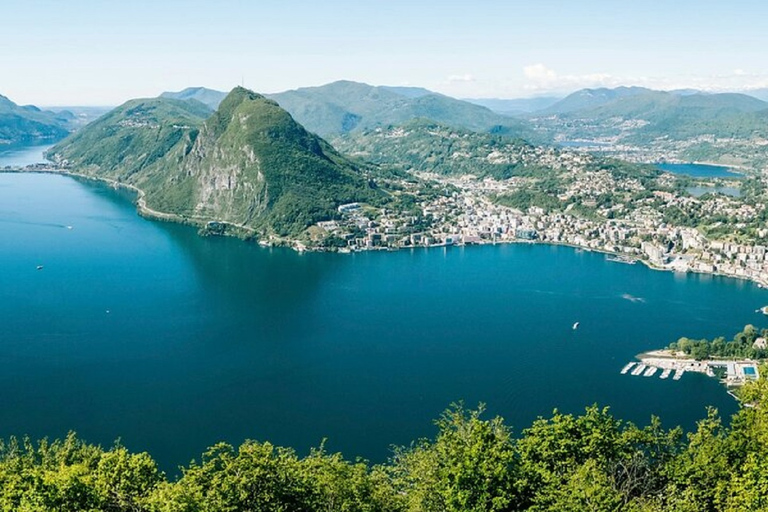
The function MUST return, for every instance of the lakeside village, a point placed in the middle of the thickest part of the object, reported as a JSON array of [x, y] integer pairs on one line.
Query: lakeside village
[[469, 216]]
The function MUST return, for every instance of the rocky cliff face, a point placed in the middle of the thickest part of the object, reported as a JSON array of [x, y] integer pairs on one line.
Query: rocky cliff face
[[248, 164]]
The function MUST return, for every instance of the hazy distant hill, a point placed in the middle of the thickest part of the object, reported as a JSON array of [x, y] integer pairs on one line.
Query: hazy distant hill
[[761, 94], [249, 163], [591, 98], [209, 97], [344, 106], [641, 116], [29, 124], [515, 106]]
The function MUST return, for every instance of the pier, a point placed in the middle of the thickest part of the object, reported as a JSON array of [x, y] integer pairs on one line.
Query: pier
[[627, 367], [732, 373]]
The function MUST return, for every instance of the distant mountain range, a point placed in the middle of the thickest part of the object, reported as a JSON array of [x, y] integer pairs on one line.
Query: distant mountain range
[[513, 107], [638, 101], [640, 115], [342, 107], [30, 125], [761, 94], [248, 163], [591, 98], [208, 97]]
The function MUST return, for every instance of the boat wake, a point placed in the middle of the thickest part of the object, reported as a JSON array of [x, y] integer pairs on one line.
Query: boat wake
[[632, 298]]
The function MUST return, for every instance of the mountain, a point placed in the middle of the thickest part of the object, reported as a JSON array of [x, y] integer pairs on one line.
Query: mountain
[[515, 106], [248, 163], [591, 98], [29, 124], [425, 146], [208, 97], [761, 94], [642, 117], [408, 92], [343, 107]]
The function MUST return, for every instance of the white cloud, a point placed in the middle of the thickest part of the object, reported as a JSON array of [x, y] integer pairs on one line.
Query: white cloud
[[539, 72], [460, 78]]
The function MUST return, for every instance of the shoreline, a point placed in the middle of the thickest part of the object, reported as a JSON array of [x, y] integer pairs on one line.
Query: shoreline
[[145, 211]]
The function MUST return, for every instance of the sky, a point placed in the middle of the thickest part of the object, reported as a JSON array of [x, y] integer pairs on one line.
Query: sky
[[87, 52]]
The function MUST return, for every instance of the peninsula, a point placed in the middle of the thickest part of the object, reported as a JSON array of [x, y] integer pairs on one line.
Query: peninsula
[[249, 169]]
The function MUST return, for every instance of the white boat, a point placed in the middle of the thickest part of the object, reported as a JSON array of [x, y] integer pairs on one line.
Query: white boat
[[627, 367], [665, 373], [576, 325], [639, 369], [650, 371]]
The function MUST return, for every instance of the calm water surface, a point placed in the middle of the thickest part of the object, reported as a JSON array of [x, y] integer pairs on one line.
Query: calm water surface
[[23, 155], [700, 191], [700, 170], [145, 331]]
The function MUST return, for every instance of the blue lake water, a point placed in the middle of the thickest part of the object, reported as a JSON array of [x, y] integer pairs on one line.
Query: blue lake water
[[20, 156], [145, 331], [700, 191], [582, 144], [700, 170]]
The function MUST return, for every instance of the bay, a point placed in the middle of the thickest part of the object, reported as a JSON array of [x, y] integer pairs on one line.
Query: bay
[[147, 332]]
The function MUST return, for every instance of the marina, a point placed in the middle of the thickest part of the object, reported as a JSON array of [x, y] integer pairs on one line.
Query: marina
[[628, 367], [731, 373]]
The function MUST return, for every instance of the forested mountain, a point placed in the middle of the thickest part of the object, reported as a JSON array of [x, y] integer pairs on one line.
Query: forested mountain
[[29, 124], [640, 116], [344, 106], [248, 164], [591, 98]]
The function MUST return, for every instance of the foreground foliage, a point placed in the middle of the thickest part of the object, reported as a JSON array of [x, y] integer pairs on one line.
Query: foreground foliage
[[564, 463]]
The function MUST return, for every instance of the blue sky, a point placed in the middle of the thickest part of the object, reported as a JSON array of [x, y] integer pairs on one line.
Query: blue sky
[[87, 52]]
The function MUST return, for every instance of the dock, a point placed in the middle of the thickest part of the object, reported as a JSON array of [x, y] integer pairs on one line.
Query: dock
[[730, 372], [650, 371], [627, 367]]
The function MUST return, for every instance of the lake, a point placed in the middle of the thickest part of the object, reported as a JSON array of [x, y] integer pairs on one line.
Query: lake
[[699, 170], [19, 156], [170, 341], [700, 191]]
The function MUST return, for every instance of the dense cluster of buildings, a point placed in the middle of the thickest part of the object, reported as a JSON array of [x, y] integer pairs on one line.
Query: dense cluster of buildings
[[470, 216]]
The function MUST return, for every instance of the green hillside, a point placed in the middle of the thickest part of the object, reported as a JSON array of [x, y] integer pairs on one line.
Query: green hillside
[[425, 146], [248, 164], [343, 107], [645, 115], [29, 125], [131, 138]]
